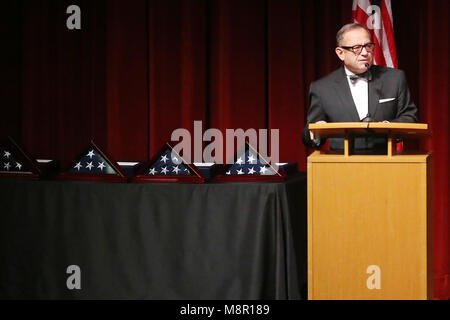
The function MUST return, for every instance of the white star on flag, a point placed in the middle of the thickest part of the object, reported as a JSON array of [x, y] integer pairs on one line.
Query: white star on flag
[[250, 163], [90, 154], [78, 166], [89, 165], [7, 166], [18, 165], [101, 165], [168, 163], [7, 154]]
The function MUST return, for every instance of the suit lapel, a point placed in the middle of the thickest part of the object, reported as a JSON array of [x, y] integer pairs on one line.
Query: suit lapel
[[374, 92], [345, 95]]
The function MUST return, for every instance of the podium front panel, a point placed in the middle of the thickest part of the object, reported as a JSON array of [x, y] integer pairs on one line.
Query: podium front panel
[[369, 227]]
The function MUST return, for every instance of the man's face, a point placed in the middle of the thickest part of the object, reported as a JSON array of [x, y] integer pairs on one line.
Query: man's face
[[353, 61]]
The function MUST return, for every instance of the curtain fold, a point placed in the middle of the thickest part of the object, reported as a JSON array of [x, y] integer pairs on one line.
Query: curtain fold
[[126, 76], [178, 67], [434, 86]]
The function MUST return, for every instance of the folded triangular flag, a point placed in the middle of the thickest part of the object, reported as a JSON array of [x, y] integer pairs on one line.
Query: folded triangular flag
[[169, 166], [250, 165], [93, 164], [15, 162]]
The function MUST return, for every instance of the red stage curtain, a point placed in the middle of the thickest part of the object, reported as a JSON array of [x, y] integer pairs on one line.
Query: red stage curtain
[[137, 70], [178, 59], [126, 79], [434, 88], [61, 104]]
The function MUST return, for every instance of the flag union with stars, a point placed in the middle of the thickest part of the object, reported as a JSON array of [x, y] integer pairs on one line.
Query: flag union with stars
[[168, 164], [8, 162], [92, 163], [249, 164]]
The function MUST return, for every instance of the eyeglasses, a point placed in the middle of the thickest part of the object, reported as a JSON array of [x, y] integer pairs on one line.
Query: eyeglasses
[[358, 48]]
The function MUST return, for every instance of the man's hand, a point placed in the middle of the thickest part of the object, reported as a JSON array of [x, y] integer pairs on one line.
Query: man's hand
[[311, 134]]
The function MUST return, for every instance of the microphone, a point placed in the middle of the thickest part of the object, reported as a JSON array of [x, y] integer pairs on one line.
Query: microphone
[[316, 142], [367, 118]]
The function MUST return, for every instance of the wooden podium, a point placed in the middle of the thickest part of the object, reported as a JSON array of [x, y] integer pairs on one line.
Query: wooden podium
[[370, 218]]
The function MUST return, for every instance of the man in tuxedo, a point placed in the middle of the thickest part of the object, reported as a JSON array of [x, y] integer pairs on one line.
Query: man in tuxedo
[[358, 91]]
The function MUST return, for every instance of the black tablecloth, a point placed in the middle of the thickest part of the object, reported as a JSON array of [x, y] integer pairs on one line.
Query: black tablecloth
[[153, 240]]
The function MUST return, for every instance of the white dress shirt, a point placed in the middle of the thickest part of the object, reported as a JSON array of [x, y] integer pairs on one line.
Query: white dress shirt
[[360, 94]]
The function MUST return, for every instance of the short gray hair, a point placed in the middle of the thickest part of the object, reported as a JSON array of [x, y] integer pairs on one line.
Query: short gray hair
[[348, 27]]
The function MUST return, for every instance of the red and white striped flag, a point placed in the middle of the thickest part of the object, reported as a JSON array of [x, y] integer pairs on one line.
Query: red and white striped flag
[[376, 15]]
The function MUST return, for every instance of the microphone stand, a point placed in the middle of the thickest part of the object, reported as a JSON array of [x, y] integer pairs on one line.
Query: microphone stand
[[368, 117]]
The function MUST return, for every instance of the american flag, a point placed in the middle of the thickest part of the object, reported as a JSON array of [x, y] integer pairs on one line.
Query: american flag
[[168, 163], [250, 164], [8, 162], [376, 15], [92, 163]]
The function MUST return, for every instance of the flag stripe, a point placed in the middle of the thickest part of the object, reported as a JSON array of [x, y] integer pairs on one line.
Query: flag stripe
[[389, 9], [382, 51], [389, 30], [386, 50], [379, 56], [385, 53], [360, 15]]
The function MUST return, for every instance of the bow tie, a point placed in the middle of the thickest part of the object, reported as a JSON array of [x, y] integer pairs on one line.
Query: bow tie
[[366, 75]]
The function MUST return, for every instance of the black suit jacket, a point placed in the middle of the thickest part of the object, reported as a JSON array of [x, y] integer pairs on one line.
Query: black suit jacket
[[331, 100]]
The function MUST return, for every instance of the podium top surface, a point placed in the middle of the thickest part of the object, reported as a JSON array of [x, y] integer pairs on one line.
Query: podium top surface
[[319, 156], [341, 129]]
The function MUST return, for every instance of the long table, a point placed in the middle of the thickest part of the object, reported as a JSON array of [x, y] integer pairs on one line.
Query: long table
[[97, 240]]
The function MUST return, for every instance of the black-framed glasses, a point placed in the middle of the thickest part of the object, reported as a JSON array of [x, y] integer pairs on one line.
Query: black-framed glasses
[[358, 48]]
